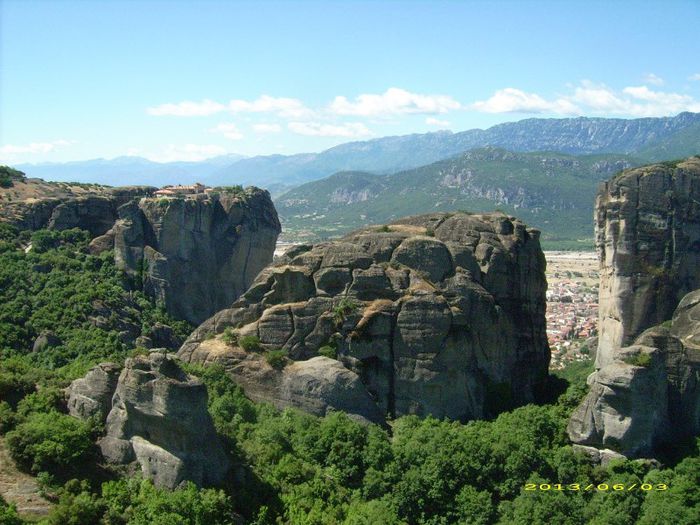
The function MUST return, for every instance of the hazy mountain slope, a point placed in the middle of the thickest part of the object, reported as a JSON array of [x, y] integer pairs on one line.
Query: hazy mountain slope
[[646, 138], [551, 191], [125, 171], [680, 144]]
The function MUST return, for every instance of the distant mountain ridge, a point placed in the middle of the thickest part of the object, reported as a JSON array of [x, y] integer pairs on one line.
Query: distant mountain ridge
[[551, 191], [649, 139]]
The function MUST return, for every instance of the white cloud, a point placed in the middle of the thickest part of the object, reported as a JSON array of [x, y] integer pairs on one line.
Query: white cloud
[[187, 152], [267, 128], [228, 130], [512, 100], [695, 77], [654, 80], [284, 107], [317, 129], [432, 121], [394, 101], [590, 98], [187, 109], [12, 152]]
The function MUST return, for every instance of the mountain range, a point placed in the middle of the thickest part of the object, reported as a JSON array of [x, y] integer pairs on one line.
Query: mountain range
[[551, 191], [648, 139]]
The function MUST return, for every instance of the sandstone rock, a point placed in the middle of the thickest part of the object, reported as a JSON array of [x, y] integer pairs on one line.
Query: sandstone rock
[[197, 255], [648, 240], [95, 210], [159, 418], [102, 243], [649, 394], [92, 395], [443, 314], [95, 214], [598, 456], [46, 339]]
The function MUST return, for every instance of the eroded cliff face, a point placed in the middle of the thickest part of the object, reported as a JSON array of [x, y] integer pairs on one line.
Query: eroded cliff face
[[649, 394], [440, 314], [34, 204], [195, 255], [159, 419], [648, 241]]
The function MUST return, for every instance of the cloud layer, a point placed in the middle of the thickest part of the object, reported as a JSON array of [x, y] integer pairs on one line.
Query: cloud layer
[[589, 98], [318, 129], [11, 152], [394, 101]]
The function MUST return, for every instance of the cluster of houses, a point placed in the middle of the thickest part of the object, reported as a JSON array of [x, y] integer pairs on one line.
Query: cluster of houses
[[572, 317]]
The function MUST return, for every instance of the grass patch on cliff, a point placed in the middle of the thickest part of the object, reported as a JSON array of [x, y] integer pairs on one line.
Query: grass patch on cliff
[[641, 359], [250, 343], [345, 307], [230, 337]]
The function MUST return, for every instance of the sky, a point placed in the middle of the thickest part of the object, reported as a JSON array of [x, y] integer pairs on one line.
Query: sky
[[182, 80]]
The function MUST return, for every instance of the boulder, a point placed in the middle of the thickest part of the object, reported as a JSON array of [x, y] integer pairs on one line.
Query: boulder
[[46, 339], [414, 331], [159, 419], [91, 396]]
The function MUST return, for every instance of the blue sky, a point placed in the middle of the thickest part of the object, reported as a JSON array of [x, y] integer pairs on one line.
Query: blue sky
[[181, 80]]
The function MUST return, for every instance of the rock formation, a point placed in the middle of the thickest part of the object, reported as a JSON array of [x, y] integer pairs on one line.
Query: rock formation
[[648, 240], [159, 419], [91, 396], [196, 255], [48, 205], [439, 314], [649, 393]]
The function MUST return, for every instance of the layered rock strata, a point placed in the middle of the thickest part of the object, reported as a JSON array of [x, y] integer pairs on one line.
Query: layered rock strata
[[195, 255], [648, 395], [440, 314], [648, 241]]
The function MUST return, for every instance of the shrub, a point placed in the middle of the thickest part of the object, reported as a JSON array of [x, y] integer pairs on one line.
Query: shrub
[[345, 307], [8, 514], [328, 351], [276, 358], [7, 417], [230, 337], [640, 359], [51, 442], [383, 229], [250, 343]]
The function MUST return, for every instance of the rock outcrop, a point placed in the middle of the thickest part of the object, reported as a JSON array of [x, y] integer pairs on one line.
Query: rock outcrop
[[91, 396], [648, 240], [60, 206], [649, 395], [196, 255], [159, 419], [439, 314]]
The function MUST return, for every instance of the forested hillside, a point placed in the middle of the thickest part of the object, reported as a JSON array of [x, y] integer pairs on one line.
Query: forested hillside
[[290, 467]]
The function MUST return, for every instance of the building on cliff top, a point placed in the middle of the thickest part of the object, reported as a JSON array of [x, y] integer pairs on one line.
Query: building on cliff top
[[192, 189]]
